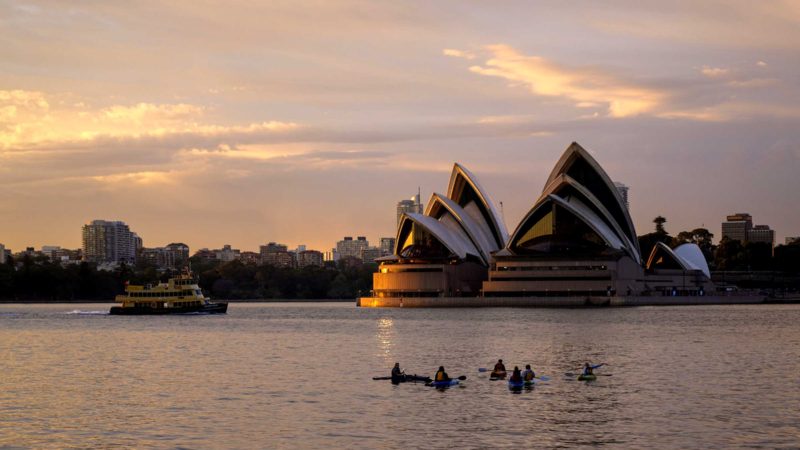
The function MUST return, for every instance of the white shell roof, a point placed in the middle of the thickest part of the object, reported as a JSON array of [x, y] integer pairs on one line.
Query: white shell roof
[[693, 257], [458, 243], [571, 154], [497, 218], [564, 179], [477, 231], [585, 213], [581, 211]]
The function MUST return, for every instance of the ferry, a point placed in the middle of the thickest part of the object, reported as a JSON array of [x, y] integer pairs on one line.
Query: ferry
[[180, 295]]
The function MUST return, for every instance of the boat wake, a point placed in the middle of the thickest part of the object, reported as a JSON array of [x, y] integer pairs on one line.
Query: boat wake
[[87, 313]]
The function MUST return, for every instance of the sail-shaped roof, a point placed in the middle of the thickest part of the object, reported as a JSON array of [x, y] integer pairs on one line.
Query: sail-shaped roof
[[414, 227], [691, 254], [465, 190], [582, 167], [554, 224], [570, 190], [444, 209], [662, 257]]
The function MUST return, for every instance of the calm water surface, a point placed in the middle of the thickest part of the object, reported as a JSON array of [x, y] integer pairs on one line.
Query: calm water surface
[[299, 375]]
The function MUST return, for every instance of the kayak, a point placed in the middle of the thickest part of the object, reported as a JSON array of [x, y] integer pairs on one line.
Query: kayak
[[411, 379], [590, 377], [516, 384], [443, 384], [498, 375]]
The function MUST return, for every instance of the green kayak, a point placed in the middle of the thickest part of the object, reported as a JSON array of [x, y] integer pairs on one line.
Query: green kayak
[[590, 377]]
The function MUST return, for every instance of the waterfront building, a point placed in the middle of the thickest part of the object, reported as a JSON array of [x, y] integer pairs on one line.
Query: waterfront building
[[577, 239], [351, 247], [387, 245], [109, 242], [411, 206], [308, 258], [623, 192], [446, 251]]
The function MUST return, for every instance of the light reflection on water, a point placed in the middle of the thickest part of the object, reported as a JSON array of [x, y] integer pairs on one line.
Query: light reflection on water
[[278, 375]]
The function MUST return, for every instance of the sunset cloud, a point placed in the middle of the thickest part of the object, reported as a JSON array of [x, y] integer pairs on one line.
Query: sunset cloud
[[584, 87], [714, 72]]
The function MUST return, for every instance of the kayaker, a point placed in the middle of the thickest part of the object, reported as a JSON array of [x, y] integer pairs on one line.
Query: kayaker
[[397, 374], [528, 374], [499, 367], [441, 375], [516, 376], [589, 369]]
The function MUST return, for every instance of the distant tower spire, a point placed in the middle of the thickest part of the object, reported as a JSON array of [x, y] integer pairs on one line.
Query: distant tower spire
[[502, 212]]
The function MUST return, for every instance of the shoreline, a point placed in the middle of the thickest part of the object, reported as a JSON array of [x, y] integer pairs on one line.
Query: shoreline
[[269, 300], [563, 302]]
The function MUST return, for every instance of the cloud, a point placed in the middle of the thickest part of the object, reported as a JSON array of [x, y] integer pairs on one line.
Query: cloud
[[714, 72], [761, 64], [584, 87], [458, 53]]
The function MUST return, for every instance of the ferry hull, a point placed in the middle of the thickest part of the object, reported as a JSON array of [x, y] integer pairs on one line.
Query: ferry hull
[[212, 308]]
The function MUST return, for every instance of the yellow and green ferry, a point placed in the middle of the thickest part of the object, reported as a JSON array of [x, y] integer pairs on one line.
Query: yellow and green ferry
[[180, 295]]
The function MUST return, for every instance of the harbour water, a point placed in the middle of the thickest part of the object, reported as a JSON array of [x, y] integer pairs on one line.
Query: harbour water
[[299, 376]]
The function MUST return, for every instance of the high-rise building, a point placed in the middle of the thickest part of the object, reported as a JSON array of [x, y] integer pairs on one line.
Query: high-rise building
[[2, 254], [387, 246], [413, 205], [762, 233], [110, 242], [737, 226], [623, 192], [350, 247], [740, 227]]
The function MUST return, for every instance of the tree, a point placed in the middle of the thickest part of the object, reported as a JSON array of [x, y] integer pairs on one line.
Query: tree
[[649, 240], [700, 236], [660, 221]]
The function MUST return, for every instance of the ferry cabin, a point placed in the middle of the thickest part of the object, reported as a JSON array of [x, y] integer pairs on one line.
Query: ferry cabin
[[177, 293]]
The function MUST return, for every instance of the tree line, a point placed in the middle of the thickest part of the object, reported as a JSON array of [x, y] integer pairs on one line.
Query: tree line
[[38, 279]]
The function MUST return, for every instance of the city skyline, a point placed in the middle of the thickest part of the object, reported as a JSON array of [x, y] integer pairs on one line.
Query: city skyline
[[248, 126]]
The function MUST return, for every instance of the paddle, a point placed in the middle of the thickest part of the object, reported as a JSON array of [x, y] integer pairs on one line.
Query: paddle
[[570, 374]]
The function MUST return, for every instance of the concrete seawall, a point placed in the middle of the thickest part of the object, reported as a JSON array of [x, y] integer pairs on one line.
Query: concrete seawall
[[549, 302]]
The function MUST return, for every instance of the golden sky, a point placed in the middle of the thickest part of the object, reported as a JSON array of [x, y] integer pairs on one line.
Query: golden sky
[[305, 121]]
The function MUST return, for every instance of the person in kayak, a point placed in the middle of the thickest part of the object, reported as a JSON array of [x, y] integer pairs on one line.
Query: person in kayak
[[499, 367], [397, 374], [588, 369], [441, 375], [528, 374], [516, 376]]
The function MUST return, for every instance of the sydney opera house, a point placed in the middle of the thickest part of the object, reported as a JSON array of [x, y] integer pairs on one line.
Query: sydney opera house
[[576, 246]]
